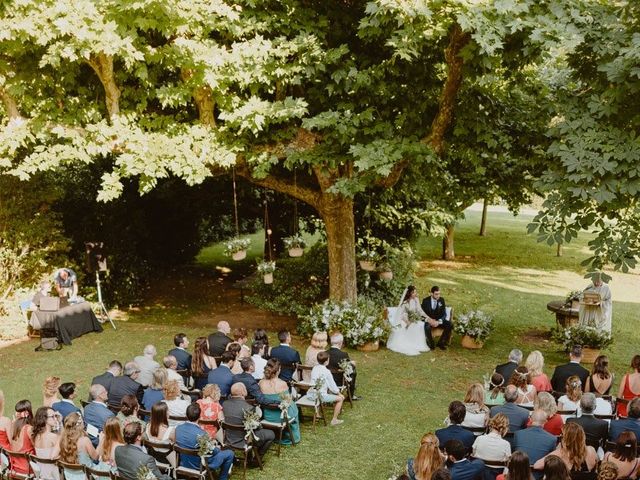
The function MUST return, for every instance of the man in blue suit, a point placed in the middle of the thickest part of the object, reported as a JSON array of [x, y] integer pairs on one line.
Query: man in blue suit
[[460, 467], [631, 423], [222, 375], [535, 441], [66, 406], [454, 431], [97, 412], [518, 416], [182, 356], [286, 355], [187, 437], [246, 378]]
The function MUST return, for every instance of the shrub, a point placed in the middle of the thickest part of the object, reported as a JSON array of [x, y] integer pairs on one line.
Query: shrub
[[590, 337]]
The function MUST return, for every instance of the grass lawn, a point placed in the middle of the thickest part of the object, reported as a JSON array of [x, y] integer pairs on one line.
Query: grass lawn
[[506, 274]]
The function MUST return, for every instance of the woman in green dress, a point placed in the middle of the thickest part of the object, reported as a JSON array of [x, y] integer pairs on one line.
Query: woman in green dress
[[273, 388]]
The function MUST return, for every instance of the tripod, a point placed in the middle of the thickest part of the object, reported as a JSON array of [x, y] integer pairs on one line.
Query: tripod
[[103, 310]]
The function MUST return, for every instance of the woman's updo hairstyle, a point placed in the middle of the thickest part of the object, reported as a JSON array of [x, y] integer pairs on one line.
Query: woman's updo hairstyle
[[272, 368]]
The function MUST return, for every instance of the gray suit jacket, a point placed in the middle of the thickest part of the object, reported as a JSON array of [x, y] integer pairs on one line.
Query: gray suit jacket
[[129, 458], [233, 409]]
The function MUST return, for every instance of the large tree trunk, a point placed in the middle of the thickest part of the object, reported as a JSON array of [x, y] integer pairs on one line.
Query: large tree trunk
[[337, 213], [447, 243], [483, 222]]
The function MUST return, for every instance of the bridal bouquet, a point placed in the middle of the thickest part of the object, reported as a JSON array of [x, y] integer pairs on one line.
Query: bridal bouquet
[[413, 317]]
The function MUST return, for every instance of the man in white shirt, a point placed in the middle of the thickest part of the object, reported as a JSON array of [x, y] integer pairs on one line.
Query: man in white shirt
[[147, 365], [257, 352], [171, 364]]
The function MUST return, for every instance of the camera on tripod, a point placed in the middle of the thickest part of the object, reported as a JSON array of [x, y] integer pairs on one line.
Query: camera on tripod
[[96, 262]]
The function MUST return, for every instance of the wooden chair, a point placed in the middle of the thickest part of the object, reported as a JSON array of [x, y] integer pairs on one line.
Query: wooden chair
[[162, 458], [203, 473], [279, 428], [246, 450], [316, 405], [4, 462], [84, 403], [193, 394], [114, 408], [143, 414], [606, 417], [176, 418], [214, 423], [11, 473], [300, 384], [346, 386], [475, 430], [71, 467], [439, 331], [37, 462], [93, 474], [571, 413]]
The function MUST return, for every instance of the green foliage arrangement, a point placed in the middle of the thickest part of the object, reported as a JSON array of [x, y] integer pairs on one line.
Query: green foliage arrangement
[[236, 245], [586, 336], [475, 324], [266, 267], [573, 295]]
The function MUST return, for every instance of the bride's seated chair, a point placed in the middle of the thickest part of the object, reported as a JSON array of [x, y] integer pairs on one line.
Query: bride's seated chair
[[393, 317]]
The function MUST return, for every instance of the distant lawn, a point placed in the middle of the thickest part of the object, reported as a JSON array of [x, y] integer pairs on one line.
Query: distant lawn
[[506, 274]]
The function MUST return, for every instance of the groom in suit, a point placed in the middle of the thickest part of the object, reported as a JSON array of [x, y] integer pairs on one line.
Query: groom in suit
[[436, 311]]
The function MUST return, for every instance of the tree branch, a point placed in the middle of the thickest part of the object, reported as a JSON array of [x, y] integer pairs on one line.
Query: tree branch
[[203, 98], [102, 64], [10, 104]]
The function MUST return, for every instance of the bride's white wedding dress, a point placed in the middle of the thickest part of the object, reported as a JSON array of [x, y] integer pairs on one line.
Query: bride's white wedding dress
[[406, 338]]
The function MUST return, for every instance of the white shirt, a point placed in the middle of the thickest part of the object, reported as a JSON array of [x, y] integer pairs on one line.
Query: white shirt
[[491, 446], [329, 384], [147, 366], [177, 408], [173, 375], [260, 363]]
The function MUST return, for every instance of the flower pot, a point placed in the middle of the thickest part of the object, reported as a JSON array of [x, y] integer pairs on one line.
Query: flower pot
[[369, 346], [386, 275], [296, 252], [240, 255], [268, 278], [471, 343], [589, 355], [367, 265]]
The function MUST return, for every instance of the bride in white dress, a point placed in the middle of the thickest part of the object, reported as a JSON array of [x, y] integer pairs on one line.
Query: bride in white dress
[[407, 337]]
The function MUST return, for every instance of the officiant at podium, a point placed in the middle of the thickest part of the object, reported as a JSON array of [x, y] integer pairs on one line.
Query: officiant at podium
[[597, 313]]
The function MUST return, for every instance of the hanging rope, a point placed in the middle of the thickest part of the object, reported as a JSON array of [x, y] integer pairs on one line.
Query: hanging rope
[[235, 201], [295, 203], [267, 226]]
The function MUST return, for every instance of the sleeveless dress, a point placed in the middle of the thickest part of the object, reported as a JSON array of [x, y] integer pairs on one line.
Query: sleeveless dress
[[630, 473], [592, 387], [21, 465], [209, 410], [47, 472], [201, 381], [627, 394], [274, 416]]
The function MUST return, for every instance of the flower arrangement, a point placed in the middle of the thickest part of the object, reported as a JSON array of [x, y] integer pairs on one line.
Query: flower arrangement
[[144, 473], [359, 323], [347, 367], [206, 445], [236, 245], [286, 400], [266, 267], [294, 241], [573, 295], [475, 324], [590, 337], [413, 316], [251, 422], [368, 255]]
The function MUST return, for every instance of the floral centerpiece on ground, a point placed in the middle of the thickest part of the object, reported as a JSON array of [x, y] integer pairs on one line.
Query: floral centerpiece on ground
[[586, 336], [236, 245], [475, 324]]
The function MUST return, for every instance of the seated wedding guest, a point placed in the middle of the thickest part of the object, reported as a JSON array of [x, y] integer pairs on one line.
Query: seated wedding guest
[[175, 403], [573, 450], [235, 348], [201, 363], [158, 430], [126, 385], [241, 337], [5, 425], [218, 341], [601, 379], [66, 406], [624, 455], [21, 432], [234, 409], [631, 423], [210, 408], [441, 474], [329, 392], [260, 335], [495, 394], [629, 386], [222, 376], [608, 471], [250, 383], [555, 468], [535, 365], [273, 388], [477, 412], [457, 412], [492, 446], [460, 467], [153, 393], [187, 437], [526, 391], [562, 372], [110, 438], [75, 447], [318, 344], [518, 468], [517, 415], [50, 391], [286, 355], [257, 350], [428, 460], [181, 355], [46, 443], [96, 413], [546, 403], [171, 365], [595, 430], [336, 356], [570, 401], [147, 365], [534, 440], [130, 457], [114, 370], [507, 369], [128, 413]]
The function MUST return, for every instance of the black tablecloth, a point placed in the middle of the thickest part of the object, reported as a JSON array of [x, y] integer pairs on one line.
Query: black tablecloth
[[69, 322]]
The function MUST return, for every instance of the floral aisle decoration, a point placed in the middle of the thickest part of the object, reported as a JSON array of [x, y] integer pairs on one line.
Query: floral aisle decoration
[[347, 368], [251, 423], [295, 244], [206, 445], [236, 248], [475, 326], [144, 473], [267, 268], [286, 400], [384, 270]]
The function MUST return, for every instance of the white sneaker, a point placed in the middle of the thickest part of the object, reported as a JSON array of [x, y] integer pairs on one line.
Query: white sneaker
[[336, 422]]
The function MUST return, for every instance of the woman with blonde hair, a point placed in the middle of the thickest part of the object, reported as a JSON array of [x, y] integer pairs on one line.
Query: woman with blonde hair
[[535, 364], [573, 450], [110, 438], [608, 471], [50, 391], [428, 460], [544, 401], [176, 405], [492, 446], [477, 412], [526, 391], [210, 408], [318, 344], [571, 399], [75, 446], [153, 393]]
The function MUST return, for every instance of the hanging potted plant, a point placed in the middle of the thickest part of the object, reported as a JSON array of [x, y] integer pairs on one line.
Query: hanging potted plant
[[295, 244], [384, 271], [475, 326], [368, 259], [236, 248], [266, 269]]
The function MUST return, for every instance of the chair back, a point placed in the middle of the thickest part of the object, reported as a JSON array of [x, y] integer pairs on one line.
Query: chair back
[[11, 456], [230, 427], [73, 467], [114, 408], [177, 418], [213, 423], [143, 414], [155, 450], [95, 474], [37, 462], [475, 429]]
